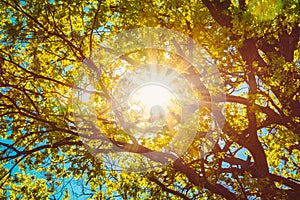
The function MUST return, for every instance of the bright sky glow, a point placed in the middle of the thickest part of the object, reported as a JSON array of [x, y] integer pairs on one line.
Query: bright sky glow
[[150, 95]]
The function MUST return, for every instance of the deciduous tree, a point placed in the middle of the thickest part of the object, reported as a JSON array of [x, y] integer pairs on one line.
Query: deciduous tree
[[255, 45]]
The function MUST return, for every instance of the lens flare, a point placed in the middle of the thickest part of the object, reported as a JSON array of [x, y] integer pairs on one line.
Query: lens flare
[[265, 9], [143, 96], [150, 95]]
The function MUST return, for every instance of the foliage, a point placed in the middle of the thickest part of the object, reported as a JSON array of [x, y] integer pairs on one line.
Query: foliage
[[256, 46]]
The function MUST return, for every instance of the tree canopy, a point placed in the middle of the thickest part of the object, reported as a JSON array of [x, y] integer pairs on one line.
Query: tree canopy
[[253, 44]]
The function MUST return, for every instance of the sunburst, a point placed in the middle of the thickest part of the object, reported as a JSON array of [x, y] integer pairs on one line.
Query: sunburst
[[150, 95]]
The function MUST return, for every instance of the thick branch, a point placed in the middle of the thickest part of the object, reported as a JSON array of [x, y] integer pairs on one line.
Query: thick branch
[[164, 188], [218, 10]]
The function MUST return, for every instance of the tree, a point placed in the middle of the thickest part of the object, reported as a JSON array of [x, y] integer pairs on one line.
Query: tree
[[256, 48]]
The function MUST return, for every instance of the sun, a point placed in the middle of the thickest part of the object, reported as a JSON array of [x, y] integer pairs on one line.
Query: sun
[[153, 100], [151, 97], [152, 94]]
